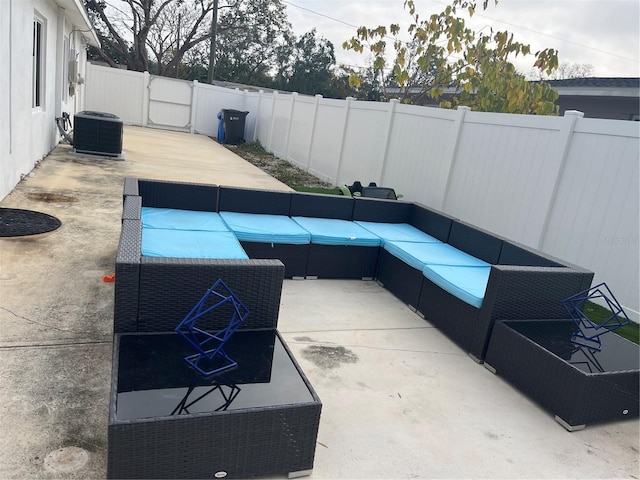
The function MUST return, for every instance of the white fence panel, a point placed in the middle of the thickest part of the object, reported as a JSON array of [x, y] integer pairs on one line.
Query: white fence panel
[[364, 144], [594, 220], [301, 131], [211, 100], [566, 185], [116, 91], [504, 173], [279, 130], [327, 139], [263, 119], [419, 154]]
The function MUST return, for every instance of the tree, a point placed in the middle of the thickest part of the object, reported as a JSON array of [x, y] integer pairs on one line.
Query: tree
[[444, 53], [565, 71], [310, 69], [254, 42], [131, 28], [160, 35]]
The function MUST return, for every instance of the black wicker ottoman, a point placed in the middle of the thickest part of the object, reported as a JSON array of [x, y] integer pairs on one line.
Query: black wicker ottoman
[[166, 421], [579, 385]]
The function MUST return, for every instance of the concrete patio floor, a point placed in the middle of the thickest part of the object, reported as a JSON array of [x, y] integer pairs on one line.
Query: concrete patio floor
[[399, 399]]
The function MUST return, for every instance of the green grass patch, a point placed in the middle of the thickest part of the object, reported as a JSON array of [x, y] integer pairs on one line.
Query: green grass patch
[[598, 314], [252, 147], [328, 191]]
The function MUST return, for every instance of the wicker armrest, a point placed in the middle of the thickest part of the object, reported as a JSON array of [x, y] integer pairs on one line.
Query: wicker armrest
[[520, 292], [127, 272]]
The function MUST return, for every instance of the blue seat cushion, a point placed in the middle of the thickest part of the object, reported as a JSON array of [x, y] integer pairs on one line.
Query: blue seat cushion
[[402, 232], [331, 231], [174, 219], [418, 255], [160, 242], [466, 283], [263, 228]]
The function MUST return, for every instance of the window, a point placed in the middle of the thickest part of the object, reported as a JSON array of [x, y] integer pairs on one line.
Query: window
[[38, 63]]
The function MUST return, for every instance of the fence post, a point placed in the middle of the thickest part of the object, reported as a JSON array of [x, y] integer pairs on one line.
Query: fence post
[[255, 128], [313, 130], [462, 113], [294, 96], [194, 106], [347, 109], [387, 141], [146, 83], [566, 133], [273, 120]]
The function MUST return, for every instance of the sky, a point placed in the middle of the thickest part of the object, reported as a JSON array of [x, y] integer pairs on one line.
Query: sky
[[602, 33]]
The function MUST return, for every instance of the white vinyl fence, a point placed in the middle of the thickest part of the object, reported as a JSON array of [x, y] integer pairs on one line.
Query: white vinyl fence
[[566, 185]]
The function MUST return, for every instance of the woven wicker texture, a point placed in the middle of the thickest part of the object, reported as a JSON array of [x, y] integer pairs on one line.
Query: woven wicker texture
[[294, 257], [476, 242], [130, 187], [170, 287], [243, 443], [233, 199], [127, 270], [404, 281], [131, 207], [434, 223], [338, 261], [185, 196], [384, 211], [575, 396], [321, 206]]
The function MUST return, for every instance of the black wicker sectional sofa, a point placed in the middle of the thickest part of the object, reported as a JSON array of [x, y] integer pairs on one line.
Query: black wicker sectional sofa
[[484, 279]]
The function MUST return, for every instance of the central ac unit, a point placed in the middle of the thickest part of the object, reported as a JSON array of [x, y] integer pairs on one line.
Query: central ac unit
[[97, 133]]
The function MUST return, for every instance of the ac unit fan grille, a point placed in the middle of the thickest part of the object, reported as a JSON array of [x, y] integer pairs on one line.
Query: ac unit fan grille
[[97, 133]]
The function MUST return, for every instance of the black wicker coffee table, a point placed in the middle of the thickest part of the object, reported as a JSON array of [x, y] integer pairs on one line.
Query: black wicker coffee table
[[167, 421], [579, 385]]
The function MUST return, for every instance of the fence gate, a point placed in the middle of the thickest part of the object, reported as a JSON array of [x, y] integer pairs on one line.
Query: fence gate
[[170, 103]]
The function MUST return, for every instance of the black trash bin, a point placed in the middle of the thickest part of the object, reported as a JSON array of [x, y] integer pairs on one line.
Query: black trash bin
[[233, 121]]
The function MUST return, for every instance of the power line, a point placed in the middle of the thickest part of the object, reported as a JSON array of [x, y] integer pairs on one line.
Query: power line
[[483, 16]]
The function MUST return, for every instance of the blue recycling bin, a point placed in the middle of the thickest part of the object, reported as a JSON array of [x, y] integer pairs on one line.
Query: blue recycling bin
[[220, 128]]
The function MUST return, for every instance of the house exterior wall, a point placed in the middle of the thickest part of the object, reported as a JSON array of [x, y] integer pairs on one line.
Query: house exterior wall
[[28, 134], [614, 108]]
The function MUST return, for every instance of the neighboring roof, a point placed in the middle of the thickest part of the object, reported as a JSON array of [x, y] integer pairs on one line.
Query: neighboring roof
[[598, 86], [74, 10], [613, 82]]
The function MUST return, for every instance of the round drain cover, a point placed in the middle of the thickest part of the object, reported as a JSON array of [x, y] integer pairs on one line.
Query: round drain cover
[[15, 222], [67, 459]]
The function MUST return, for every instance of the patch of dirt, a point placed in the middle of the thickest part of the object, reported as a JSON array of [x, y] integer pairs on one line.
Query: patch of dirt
[[280, 169]]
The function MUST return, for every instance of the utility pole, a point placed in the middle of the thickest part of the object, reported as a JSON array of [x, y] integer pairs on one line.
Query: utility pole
[[178, 43], [212, 48]]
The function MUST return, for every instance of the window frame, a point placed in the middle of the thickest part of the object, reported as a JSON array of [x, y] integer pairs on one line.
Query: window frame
[[38, 58]]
